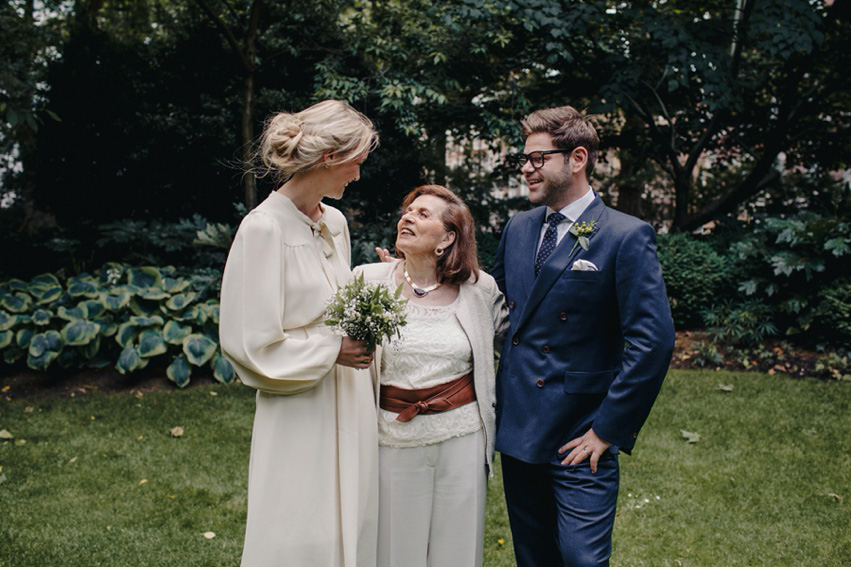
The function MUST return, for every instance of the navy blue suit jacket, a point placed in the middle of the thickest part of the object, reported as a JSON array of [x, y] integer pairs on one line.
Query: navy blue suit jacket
[[585, 348]]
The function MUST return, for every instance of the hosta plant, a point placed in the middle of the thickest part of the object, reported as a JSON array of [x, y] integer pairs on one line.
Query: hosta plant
[[120, 315]]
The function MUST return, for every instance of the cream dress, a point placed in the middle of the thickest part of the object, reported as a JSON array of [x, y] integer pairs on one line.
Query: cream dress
[[313, 473]]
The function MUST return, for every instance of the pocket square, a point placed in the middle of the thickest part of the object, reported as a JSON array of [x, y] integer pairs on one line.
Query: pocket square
[[584, 266]]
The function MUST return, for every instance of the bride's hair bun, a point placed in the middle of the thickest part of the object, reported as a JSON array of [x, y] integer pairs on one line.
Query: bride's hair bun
[[293, 143]]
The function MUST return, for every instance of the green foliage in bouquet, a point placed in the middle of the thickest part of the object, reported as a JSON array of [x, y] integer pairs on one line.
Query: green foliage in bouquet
[[367, 311], [122, 316]]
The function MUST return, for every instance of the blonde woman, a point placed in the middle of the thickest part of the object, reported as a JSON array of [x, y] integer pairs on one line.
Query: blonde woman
[[312, 489], [436, 417]]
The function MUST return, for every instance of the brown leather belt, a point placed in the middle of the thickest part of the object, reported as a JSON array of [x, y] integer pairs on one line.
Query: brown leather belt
[[443, 397]]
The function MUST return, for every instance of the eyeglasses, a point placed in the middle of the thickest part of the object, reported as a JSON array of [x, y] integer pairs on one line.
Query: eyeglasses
[[537, 158]]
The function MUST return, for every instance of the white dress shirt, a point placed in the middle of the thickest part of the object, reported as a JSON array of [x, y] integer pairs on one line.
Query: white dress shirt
[[571, 212]]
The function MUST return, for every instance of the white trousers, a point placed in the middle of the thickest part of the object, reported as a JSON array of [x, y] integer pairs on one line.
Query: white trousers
[[431, 504]]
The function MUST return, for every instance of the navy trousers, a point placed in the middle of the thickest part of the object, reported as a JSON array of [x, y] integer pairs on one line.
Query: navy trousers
[[561, 515]]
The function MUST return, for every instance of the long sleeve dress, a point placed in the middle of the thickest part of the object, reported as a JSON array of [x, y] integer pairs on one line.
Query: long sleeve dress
[[313, 476]]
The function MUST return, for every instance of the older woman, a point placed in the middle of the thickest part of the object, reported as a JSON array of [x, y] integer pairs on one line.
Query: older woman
[[436, 417], [313, 479]]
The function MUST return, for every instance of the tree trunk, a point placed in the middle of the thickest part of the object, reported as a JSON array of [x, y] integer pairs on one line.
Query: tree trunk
[[249, 180]]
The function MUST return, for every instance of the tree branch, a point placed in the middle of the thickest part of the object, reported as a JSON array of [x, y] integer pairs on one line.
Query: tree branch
[[226, 33]]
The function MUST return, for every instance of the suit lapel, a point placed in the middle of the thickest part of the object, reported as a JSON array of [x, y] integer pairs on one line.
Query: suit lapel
[[559, 261], [531, 235]]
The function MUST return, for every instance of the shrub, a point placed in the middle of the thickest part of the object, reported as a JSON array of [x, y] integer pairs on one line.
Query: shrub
[[783, 259], [836, 309], [747, 323], [695, 275], [122, 316]]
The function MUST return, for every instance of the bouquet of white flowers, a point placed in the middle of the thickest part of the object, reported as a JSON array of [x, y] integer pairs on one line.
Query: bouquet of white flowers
[[366, 311]]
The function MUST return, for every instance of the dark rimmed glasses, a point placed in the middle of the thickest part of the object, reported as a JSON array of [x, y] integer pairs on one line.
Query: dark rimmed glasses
[[536, 158]]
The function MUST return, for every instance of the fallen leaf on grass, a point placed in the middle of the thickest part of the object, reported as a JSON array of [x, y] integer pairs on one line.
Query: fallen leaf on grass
[[835, 496], [143, 481], [73, 460], [725, 387], [29, 409], [176, 431], [20, 442], [689, 436], [214, 393], [4, 434], [6, 389], [2, 478], [501, 541], [209, 535]]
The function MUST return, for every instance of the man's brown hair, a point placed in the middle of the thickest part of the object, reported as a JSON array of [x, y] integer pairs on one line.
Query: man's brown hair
[[569, 129]]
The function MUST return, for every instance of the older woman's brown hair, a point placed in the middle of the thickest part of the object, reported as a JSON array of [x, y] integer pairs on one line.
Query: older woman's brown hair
[[460, 260]]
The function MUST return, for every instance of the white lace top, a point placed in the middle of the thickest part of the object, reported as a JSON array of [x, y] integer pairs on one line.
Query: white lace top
[[432, 350]]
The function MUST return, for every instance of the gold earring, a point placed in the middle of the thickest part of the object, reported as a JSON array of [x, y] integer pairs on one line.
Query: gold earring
[[438, 251]]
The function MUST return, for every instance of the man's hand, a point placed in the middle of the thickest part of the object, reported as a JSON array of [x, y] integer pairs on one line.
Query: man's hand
[[384, 255], [589, 445]]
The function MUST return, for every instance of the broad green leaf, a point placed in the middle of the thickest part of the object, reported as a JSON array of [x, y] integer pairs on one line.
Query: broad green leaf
[[17, 285], [141, 321], [94, 308], [23, 337], [83, 289], [80, 332], [143, 308], [126, 333], [151, 343], [44, 282], [42, 362], [41, 317], [42, 342], [838, 246], [129, 360], [73, 314], [152, 294], [179, 371], [199, 348], [108, 327], [89, 351], [117, 301], [38, 344], [145, 277], [16, 303], [7, 321], [6, 338], [49, 296], [223, 370], [174, 332], [180, 301], [211, 306], [174, 285]]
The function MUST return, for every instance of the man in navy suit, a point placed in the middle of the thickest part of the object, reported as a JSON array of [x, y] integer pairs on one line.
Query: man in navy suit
[[590, 342]]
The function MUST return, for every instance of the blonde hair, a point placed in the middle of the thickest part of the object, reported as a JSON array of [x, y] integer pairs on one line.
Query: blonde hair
[[295, 143]]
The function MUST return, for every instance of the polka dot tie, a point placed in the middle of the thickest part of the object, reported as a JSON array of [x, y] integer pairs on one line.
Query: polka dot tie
[[550, 240]]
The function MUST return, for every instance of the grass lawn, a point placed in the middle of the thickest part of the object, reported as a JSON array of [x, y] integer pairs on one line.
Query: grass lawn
[[98, 480]]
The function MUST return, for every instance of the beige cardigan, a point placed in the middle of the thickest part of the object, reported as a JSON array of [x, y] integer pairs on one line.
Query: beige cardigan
[[484, 318]]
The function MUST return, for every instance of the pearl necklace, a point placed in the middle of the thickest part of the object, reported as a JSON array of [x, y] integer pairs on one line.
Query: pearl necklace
[[418, 291]]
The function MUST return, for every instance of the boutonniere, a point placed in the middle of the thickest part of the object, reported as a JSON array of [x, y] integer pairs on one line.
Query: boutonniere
[[583, 231]]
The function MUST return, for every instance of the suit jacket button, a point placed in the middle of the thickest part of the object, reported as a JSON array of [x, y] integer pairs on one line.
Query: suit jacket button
[[545, 348], [563, 315], [511, 304], [540, 383], [515, 341]]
